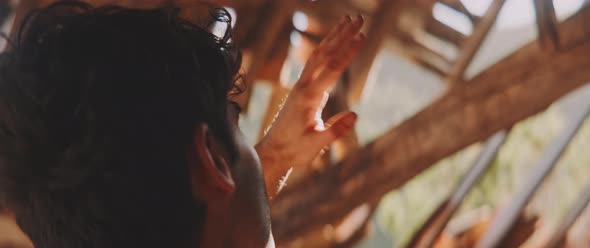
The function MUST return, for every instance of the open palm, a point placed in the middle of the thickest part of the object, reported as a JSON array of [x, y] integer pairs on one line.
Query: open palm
[[299, 134]]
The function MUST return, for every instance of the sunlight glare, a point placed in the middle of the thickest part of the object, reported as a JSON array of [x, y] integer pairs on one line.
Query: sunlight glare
[[296, 39], [452, 18], [300, 21], [566, 8]]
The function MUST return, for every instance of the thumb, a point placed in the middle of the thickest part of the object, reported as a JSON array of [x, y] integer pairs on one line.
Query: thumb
[[336, 127]]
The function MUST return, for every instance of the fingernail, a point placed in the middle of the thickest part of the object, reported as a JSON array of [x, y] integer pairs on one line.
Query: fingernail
[[348, 19], [351, 119]]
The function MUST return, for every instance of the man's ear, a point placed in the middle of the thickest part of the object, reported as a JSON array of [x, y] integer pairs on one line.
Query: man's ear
[[210, 168]]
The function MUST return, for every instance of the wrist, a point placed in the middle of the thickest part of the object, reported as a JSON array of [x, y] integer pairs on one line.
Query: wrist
[[269, 154], [274, 166]]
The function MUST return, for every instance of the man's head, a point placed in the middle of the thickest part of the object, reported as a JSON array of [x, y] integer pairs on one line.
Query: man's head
[[116, 131]]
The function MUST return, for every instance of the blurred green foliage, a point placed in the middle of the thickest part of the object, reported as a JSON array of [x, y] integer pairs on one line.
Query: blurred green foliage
[[403, 211]]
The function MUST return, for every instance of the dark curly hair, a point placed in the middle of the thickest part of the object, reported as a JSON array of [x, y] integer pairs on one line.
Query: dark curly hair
[[97, 110]]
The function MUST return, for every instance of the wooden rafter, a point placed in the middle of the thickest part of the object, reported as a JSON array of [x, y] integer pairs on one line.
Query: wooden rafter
[[458, 5], [444, 32], [433, 227], [559, 237], [420, 54], [275, 16], [383, 22], [507, 216], [547, 23], [466, 114], [471, 45]]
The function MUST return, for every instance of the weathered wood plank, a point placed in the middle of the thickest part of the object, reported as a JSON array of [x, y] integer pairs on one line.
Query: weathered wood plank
[[471, 45], [427, 235], [502, 224], [444, 32], [559, 237], [274, 19], [383, 22], [418, 53], [547, 23], [517, 87]]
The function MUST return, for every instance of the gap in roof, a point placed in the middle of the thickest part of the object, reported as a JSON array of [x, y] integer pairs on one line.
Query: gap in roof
[[478, 7], [519, 13], [300, 21], [566, 8], [452, 18], [515, 13]]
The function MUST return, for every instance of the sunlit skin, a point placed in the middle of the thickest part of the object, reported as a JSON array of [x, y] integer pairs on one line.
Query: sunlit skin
[[299, 134]]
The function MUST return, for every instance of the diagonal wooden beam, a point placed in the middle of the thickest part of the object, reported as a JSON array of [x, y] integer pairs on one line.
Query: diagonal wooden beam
[[507, 216], [426, 236], [408, 47], [547, 23], [519, 86], [382, 23], [260, 43], [444, 32], [559, 237], [471, 45]]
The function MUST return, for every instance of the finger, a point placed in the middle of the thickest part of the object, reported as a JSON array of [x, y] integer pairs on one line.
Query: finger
[[332, 34], [318, 56], [345, 37], [338, 117], [336, 66], [338, 37], [333, 46], [338, 126], [320, 125], [345, 43], [344, 59]]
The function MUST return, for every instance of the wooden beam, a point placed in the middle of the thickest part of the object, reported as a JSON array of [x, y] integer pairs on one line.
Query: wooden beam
[[426, 236], [547, 23], [517, 87], [471, 45], [458, 6], [559, 237], [444, 32], [273, 19], [336, 104], [507, 216], [522, 231], [416, 52], [383, 22]]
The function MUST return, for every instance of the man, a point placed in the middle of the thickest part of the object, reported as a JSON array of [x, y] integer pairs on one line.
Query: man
[[117, 129]]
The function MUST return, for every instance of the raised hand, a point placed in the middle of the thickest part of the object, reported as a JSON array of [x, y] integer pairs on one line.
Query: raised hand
[[299, 134]]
